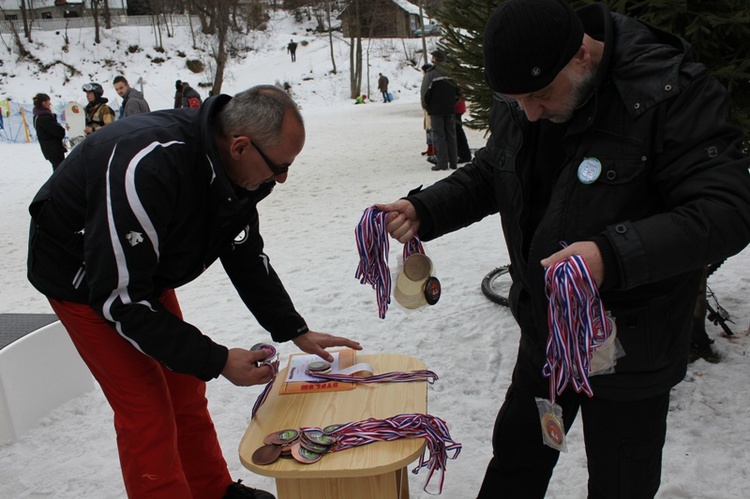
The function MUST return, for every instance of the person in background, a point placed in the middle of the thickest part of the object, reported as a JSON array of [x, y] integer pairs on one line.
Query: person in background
[[383, 87], [98, 113], [145, 207], [132, 100], [462, 145], [49, 132], [590, 155], [291, 48], [177, 94], [438, 96], [430, 151], [190, 97]]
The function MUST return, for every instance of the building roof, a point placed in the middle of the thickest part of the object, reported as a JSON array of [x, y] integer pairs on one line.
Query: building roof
[[407, 6], [404, 5]]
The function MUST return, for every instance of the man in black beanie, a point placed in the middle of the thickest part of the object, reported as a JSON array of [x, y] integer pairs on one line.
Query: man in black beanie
[[610, 143]]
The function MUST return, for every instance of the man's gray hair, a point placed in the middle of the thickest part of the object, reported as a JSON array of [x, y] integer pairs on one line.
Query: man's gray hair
[[258, 113]]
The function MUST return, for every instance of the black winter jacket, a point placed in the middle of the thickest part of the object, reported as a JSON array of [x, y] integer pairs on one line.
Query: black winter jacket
[[672, 197], [439, 93], [50, 134], [143, 206]]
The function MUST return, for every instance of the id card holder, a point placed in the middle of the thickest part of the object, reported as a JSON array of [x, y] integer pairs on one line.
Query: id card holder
[[553, 429]]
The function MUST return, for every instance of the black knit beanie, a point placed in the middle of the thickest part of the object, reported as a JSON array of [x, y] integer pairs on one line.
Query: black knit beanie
[[528, 42]]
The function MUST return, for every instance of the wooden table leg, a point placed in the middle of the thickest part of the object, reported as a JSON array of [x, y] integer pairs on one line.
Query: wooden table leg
[[403, 483], [391, 485]]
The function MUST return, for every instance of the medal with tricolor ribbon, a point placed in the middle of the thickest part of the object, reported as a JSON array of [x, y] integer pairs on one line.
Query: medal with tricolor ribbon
[[578, 325]]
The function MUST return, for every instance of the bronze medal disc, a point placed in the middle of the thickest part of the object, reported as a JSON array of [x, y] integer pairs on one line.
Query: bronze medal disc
[[312, 446], [286, 450], [281, 437], [320, 438], [266, 454], [303, 455], [417, 266]]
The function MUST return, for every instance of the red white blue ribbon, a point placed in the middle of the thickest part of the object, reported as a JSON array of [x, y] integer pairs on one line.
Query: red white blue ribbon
[[267, 389], [577, 322], [373, 246], [391, 377], [413, 246], [434, 430]]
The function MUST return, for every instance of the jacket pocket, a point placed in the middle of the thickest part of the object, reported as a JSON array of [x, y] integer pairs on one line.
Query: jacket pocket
[[622, 186]]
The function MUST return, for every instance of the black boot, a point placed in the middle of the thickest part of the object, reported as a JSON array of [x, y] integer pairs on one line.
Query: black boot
[[239, 491]]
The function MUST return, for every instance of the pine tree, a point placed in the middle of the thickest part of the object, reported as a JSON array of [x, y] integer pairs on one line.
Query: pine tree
[[464, 22], [718, 31]]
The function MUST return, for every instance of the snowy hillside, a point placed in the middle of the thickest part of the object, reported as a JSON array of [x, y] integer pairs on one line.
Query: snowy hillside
[[130, 51]]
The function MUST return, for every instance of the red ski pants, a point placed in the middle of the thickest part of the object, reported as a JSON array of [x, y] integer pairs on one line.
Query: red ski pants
[[165, 436]]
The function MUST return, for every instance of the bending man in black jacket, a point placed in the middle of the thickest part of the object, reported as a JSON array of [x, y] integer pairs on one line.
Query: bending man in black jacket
[[146, 205], [607, 136]]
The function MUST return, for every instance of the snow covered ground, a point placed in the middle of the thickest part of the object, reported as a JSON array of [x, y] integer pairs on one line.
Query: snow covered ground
[[354, 156]]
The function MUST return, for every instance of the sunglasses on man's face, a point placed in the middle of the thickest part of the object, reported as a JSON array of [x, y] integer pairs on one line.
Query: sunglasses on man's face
[[275, 169]]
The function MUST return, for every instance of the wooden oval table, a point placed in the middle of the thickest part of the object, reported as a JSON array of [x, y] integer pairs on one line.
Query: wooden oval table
[[374, 471]]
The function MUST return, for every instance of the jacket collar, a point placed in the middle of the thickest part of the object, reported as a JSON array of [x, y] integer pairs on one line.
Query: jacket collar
[[641, 60], [219, 180]]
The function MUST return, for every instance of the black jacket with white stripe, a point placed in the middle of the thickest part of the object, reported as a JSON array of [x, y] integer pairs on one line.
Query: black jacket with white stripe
[[143, 206]]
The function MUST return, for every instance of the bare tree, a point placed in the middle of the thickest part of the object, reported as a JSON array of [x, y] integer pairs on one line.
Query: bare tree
[[424, 39], [218, 19], [355, 49], [327, 10], [95, 15], [107, 15], [26, 9]]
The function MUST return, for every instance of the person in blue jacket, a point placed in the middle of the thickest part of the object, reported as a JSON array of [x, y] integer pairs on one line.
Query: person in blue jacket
[[140, 208]]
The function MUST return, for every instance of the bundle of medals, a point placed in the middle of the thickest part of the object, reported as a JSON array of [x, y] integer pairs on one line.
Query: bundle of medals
[[309, 445], [415, 284], [581, 341]]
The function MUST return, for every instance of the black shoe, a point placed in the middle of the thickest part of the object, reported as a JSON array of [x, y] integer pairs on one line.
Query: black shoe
[[453, 167], [464, 160], [704, 352], [432, 159], [437, 168], [239, 491]]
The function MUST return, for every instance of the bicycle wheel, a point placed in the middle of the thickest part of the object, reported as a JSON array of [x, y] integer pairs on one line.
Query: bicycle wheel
[[495, 288]]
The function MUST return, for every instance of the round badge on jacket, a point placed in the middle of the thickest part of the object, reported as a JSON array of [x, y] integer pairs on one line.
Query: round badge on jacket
[[589, 170]]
